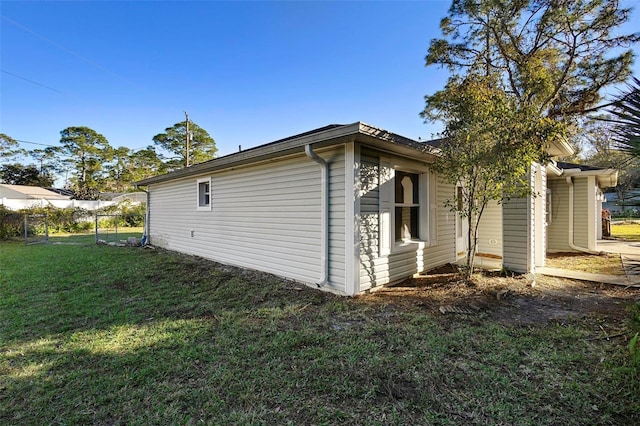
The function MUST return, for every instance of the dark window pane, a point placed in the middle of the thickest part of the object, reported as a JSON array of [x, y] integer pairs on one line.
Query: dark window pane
[[406, 223], [399, 190], [406, 182], [204, 194]]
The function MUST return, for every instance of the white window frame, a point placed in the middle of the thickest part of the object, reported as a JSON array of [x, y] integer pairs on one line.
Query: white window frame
[[200, 206]]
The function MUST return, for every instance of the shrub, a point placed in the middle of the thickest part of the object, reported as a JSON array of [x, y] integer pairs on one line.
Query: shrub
[[11, 223]]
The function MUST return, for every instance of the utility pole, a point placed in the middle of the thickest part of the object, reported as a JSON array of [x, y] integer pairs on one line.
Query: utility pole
[[187, 153]]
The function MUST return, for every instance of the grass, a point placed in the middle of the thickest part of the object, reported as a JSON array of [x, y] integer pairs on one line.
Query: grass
[[629, 231], [104, 335], [605, 263]]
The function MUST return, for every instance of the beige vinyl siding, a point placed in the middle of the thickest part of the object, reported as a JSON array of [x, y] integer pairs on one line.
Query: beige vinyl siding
[[558, 227], [405, 263], [580, 212], [369, 215], [542, 199], [516, 227], [264, 217], [336, 159], [490, 230], [377, 270], [445, 249]]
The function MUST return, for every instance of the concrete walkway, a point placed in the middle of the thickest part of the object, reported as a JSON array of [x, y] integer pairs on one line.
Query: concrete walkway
[[629, 255], [622, 247], [624, 280]]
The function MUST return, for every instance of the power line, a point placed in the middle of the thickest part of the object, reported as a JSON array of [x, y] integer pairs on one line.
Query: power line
[[69, 51], [36, 143], [31, 81]]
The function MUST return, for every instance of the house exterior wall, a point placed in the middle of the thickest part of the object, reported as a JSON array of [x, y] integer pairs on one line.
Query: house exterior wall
[[516, 222], [378, 265], [581, 207], [490, 231], [586, 214], [524, 227], [539, 248], [264, 216], [558, 222]]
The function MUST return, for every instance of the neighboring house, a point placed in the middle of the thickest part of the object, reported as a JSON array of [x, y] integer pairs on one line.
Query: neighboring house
[[346, 207], [24, 192], [17, 197]]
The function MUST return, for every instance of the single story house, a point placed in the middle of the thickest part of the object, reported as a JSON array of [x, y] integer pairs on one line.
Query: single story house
[[17, 197], [346, 207], [25, 192]]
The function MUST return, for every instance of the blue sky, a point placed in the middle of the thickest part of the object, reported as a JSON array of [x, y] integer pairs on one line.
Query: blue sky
[[247, 72]]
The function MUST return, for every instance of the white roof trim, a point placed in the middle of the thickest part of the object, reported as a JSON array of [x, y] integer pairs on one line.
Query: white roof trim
[[560, 148], [553, 169]]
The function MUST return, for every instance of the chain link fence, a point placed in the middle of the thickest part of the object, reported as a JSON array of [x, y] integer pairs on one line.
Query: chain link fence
[[119, 229], [72, 226], [36, 229]]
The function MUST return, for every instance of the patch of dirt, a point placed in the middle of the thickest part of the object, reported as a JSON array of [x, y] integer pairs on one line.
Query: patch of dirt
[[517, 299]]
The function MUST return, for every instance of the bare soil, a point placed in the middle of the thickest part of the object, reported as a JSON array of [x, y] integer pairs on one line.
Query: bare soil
[[521, 300]]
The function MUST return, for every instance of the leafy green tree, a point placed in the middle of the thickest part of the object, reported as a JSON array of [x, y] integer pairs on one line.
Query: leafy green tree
[[88, 150], [554, 55], [9, 147], [487, 148], [521, 70], [18, 174], [128, 166], [119, 172], [202, 147], [47, 160], [146, 163], [602, 150]]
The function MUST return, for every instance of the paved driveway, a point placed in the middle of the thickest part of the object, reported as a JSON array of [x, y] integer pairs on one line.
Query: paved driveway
[[629, 254], [617, 246]]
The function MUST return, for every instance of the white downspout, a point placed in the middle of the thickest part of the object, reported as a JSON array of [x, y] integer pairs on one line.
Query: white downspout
[[571, 244], [324, 214]]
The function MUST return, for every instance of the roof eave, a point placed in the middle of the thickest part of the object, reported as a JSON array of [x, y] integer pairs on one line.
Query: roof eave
[[553, 169], [560, 148], [607, 178], [349, 132]]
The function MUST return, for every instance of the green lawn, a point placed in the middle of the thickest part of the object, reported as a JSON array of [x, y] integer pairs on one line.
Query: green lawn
[[629, 231], [105, 335]]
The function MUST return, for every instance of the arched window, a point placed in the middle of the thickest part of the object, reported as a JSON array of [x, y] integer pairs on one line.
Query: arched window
[[407, 206]]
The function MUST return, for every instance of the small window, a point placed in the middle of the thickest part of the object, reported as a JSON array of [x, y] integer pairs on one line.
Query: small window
[[407, 206], [204, 194]]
